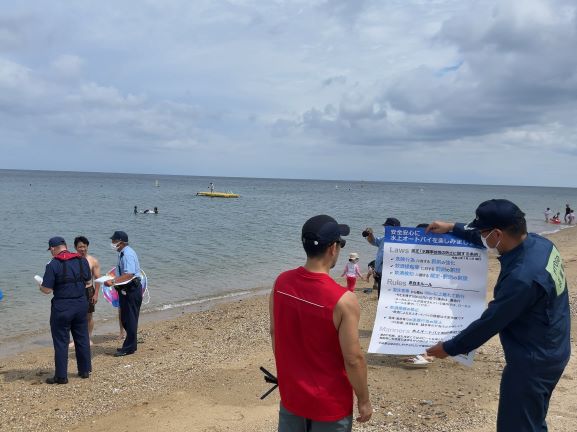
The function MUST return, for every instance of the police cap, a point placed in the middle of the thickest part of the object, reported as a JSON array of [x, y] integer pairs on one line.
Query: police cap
[[496, 213], [120, 235]]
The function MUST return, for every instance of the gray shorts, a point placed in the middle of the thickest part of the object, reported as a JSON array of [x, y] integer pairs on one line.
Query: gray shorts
[[288, 422]]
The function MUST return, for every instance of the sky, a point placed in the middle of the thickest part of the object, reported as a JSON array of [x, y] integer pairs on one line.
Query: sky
[[450, 91]]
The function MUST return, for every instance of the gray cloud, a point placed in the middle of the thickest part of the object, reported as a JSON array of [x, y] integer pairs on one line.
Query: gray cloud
[[177, 83]]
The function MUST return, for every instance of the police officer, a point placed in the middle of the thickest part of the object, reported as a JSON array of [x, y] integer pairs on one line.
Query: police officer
[[65, 277], [127, 283], [530, 311]]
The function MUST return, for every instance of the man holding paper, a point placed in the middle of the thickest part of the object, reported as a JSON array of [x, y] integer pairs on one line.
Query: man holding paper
[[530, 311], [127, 283]]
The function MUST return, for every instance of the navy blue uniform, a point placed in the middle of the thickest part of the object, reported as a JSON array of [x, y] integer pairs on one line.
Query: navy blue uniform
[[130, 297], [66, 274], [530, 311]]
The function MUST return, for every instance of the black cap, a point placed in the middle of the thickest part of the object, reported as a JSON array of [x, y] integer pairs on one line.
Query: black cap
[[322, 230], [392, 222], [120, 235], [55, 241], [496, 213]]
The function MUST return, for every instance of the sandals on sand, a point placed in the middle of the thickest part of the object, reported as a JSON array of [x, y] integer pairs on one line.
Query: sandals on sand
[[417, 362]]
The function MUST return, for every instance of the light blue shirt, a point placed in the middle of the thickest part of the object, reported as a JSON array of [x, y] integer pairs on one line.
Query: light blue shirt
[[128, 262], [378, 242]]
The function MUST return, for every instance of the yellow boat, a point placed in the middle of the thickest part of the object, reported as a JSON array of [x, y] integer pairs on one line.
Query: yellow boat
[[218, 194]]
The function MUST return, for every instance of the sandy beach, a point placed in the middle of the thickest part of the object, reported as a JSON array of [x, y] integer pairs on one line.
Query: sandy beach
[[200, 372]]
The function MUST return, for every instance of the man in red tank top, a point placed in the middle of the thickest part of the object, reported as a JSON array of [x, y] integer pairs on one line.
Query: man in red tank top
[[314, 328]]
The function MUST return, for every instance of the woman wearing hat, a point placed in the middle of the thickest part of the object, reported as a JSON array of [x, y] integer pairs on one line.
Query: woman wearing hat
[[352, 271]]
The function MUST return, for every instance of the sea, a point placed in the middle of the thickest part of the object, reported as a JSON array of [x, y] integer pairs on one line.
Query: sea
[[198, 249]]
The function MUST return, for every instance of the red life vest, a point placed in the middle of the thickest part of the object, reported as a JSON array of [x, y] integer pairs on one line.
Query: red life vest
[[311, 372]]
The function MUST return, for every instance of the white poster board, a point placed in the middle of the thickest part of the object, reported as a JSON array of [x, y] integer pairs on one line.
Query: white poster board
[[432, 287]]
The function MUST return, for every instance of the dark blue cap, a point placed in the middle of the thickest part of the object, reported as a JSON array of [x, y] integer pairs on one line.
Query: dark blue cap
[[56, 241], [120, 235], [322, 230], [496, 213], [392, 222]]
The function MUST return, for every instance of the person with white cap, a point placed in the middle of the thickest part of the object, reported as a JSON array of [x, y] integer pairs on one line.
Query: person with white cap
[[352, 271]]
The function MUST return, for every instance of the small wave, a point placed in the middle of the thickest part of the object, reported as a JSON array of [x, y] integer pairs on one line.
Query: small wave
[[201, 301], [559, 228]]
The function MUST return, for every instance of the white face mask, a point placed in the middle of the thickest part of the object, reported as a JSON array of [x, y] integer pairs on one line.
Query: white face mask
[[114, 246], [489, 248]]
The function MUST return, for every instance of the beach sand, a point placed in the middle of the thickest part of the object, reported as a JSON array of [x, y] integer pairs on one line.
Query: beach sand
[[200, 372]]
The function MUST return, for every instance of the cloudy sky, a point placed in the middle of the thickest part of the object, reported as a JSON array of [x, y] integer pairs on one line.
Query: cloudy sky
[[393, 90]]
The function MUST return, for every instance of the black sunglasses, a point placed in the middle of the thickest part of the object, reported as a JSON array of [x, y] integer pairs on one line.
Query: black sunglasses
[[341, 242]]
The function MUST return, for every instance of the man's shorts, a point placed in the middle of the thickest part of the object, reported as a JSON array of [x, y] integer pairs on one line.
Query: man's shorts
[[289, 422], [90, 293]]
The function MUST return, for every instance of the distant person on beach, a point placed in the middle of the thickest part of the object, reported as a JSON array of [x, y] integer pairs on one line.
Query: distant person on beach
[[352, 271], [571, 217], [548, 214], [371, 272], [127, 283], [315, 338], [81, 244], [211, 187], [530, 312], [378, 242], [567, 212], [65, 277]]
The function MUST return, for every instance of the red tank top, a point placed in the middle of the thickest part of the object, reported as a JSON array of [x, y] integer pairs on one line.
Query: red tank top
[[311, 372]]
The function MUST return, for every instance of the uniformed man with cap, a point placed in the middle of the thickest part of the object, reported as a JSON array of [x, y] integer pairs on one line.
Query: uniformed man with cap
[[378, 242], [65, 277], [530, 312], [127, 283]]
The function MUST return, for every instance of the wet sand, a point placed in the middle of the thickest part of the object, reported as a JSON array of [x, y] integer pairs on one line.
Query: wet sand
[[199, 372]]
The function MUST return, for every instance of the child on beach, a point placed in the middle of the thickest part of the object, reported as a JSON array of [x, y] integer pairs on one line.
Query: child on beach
[[352, 271]]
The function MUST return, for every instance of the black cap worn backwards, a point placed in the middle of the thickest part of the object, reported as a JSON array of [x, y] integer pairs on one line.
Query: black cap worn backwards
[[495, 213], [322, 230], [392, 222], [55, 241], [120, 235]]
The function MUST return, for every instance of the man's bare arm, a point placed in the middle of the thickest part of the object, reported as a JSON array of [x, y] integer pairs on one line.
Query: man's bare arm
[[271, 317], [96, 275], [346, 318]]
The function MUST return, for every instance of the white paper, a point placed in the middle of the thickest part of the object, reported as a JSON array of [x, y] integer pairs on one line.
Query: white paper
[[433, 286], [103, 279], [38, 279], [107, 278]]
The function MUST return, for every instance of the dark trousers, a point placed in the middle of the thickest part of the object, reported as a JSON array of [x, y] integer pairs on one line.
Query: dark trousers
[[377, 277], [69, 316], [525, 394], [129, 311]]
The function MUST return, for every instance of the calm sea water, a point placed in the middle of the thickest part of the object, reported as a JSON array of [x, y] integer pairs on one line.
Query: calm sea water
[[197, 247]]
